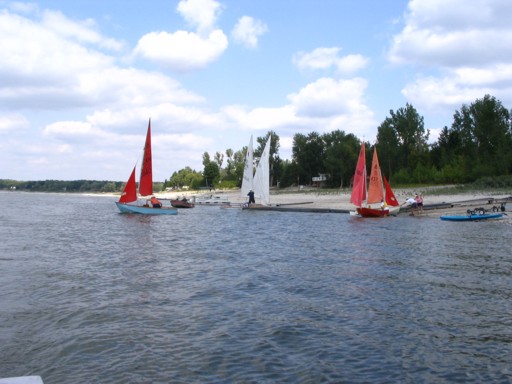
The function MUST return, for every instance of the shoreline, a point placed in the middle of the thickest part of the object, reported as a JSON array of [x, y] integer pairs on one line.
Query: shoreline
[[435, 205]]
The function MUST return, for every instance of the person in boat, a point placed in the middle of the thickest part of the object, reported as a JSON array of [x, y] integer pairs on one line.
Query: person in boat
[[419, 202], [251, 197], [383, 205], [155, 202]]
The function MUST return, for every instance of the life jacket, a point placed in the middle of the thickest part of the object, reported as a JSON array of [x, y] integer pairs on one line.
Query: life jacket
[[154, 201]]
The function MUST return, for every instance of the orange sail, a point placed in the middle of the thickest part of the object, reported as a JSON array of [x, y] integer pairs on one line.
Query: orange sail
[[390, 196], [130, 190], [375, 190], [146, 172], [359, 182]]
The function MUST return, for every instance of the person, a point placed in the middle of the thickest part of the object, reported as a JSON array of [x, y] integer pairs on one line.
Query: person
[[155, 202], [383, 204], [251, 197], [412, 203], [419, 202]]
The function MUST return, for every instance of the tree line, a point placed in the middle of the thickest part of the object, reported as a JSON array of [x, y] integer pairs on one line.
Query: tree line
[[476, 145]]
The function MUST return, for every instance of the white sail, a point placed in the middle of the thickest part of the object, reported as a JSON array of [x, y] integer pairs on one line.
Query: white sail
[[262, 177], [247, 181]]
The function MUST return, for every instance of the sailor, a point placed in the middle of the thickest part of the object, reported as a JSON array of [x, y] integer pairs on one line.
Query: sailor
[[251, 197], [155, 202]]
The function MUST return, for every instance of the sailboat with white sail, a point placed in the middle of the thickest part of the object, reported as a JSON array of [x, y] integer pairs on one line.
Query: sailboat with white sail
[[248, 177], [260, 182]]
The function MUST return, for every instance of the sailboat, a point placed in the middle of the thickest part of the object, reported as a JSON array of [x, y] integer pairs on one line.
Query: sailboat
[[379, 190], [261, 179], [248, 177], [129, 194]]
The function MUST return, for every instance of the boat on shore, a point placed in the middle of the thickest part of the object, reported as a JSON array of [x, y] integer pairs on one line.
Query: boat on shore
[[183, 203], [210, 200], [476, 215], [261, 180], [379, 200]]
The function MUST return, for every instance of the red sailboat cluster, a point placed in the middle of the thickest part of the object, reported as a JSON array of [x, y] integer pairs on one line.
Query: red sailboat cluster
[[129, 194], [378, 200]]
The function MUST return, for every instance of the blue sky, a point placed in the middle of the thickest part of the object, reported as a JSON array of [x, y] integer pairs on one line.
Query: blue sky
[[80, 79]]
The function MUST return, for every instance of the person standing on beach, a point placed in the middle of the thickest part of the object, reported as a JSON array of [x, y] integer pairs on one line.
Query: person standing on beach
[[419, 203], [412, 203], [251, 197]]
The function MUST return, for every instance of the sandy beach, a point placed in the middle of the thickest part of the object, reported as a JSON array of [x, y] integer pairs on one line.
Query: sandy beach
[[434, 204]]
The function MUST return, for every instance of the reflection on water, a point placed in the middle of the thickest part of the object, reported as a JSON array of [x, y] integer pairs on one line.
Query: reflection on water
[[213, 295]]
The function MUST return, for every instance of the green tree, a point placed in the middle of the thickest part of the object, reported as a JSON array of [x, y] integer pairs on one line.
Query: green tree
[[340, 157], [403, 141], [308, 154]]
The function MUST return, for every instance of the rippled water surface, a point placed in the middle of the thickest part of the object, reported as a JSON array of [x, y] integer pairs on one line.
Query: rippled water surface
[[88, 295]]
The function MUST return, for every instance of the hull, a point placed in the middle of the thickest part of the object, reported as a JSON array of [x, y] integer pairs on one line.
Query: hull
[[126, 208], [475, 217], [372, 212], [181, 204], [210, 200]]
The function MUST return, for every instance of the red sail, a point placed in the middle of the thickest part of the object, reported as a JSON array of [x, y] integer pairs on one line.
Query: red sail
[[375, 191], [390, 196], [146, 172], [130, 190], [359, 182]]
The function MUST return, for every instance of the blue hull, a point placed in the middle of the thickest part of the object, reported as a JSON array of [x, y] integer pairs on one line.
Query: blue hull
[[126, 208], [474, 217]]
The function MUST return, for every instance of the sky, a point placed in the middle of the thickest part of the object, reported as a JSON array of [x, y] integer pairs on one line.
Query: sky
[[79, 80]]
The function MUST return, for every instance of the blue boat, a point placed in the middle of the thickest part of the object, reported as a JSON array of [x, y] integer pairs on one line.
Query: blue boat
[[474, 216], [146, 210]]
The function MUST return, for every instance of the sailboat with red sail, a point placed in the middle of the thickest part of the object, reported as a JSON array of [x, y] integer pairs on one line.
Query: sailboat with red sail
[[379, 200], [129, 194]]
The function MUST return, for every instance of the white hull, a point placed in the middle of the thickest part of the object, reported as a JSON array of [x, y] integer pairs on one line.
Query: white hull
[[210, 200]]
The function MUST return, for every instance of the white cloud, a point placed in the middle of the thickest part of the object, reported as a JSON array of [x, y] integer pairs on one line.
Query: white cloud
[[186, 51], [200, 14], [324, 105], [462, 48], [328, 97], [454, 32], [182, 50], [325, 58], [12, 122], [81, 31], [248, 30]]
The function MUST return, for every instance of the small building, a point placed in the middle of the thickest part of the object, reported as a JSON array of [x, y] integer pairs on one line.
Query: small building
[[319, 181]]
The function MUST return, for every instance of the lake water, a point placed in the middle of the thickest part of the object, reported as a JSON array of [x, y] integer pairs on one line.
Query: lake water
[[89, 295]]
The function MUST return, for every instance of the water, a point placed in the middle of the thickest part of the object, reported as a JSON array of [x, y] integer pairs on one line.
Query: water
[[88, 295]]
